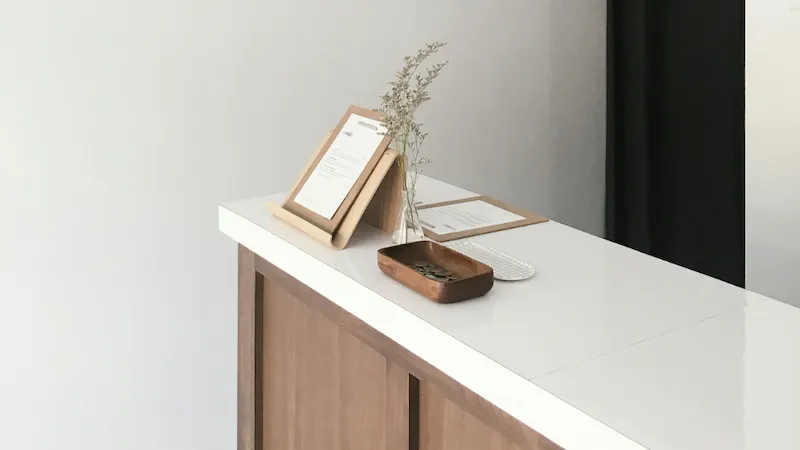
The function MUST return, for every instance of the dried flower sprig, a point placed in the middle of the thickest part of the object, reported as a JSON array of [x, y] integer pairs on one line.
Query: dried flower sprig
[[409, 90]]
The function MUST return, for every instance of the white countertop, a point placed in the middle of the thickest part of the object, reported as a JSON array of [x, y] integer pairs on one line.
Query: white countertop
[[605, 348]]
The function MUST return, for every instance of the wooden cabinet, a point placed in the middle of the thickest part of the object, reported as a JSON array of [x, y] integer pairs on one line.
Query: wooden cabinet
[[313, 377], [444, 425], [322, 388]]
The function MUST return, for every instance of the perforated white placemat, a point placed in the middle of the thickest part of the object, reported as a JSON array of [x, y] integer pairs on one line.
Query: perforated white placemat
[[505, 267]]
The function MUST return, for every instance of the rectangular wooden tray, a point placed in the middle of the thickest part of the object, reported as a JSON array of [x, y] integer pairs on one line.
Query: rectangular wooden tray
[[474, 278]]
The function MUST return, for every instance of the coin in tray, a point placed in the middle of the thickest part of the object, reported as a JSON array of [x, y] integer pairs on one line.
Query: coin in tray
[[433, 272]]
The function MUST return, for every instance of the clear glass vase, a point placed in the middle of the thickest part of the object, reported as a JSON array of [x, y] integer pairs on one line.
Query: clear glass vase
[[408, 227]]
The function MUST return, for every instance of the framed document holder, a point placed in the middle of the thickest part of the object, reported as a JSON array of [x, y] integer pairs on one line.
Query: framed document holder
[[458, 219], [336, 176]]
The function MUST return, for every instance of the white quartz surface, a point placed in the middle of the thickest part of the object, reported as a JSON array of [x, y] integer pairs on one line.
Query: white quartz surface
[[604, 348], [730, 382]]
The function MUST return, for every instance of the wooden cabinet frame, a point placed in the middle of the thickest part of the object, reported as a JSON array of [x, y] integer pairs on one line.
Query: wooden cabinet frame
[[374, 393]]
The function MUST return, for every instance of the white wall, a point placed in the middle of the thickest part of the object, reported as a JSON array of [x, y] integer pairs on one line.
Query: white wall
[[772, 155], [124, 123]]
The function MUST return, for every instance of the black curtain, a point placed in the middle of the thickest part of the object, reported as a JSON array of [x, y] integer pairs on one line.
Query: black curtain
[[675, 145]]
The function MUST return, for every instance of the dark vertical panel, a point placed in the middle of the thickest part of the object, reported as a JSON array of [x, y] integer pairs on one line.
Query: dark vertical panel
[[248, 438], [413, 412], [676, 176], [628, 118]]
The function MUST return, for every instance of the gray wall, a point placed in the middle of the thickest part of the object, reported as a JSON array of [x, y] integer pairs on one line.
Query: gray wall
[[124, 123], [773, 149]]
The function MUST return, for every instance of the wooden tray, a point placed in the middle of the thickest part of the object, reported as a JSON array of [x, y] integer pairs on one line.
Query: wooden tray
[[473, 279]]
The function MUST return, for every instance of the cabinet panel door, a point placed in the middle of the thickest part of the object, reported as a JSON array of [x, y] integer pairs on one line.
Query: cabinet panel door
[[322, 387], [444, 425]]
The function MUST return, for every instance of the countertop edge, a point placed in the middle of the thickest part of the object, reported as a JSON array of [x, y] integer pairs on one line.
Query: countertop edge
[[557, 420]]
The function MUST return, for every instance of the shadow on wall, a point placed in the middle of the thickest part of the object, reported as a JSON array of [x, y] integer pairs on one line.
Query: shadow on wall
[[772, 271], [577, 44]]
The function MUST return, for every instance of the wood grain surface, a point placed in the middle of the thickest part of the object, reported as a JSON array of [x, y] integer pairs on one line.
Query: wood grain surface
[[447, 426], [248, 412], [323, 387], [330, 225], [366, 199], [332, 382], [475, 278], [529, 218], [384, 210]]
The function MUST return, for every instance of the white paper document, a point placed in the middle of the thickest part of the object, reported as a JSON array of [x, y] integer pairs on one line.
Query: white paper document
[[465, 216], [337, 171]]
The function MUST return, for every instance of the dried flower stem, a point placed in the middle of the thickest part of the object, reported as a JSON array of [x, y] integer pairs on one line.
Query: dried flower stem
[[409, 90]]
